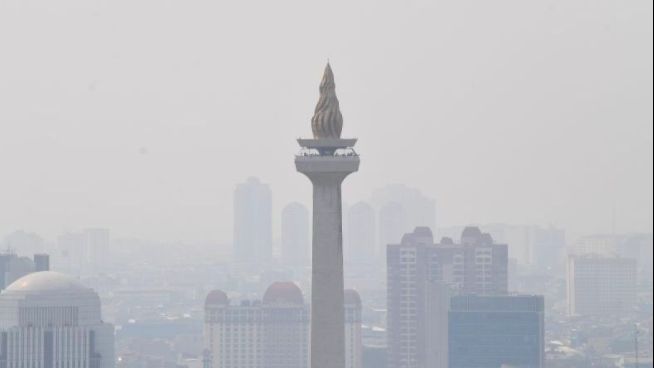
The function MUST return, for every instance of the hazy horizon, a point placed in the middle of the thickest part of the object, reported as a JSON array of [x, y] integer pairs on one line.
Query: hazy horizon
[[142, 116]]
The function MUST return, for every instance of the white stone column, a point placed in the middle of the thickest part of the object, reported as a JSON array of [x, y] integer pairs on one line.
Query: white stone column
[[327, 311]]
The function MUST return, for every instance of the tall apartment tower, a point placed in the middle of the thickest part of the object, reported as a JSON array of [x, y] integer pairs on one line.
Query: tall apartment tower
[[252, 222], [326, 160], [295, 235], [601, 285], [360, 230], [496, 331], [421, 277]]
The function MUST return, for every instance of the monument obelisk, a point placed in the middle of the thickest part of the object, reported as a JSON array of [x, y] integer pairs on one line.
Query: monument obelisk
[[326, 160]]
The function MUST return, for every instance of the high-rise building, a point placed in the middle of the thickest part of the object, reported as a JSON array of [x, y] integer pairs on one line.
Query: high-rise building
[[601, 285], [326, 160], [496, 331], [51, 320], [253, 222], [97, 248], [13, 267], [360, 245], [272, 333], [392, 225], [422, 275], [41, 262], [296, 248]]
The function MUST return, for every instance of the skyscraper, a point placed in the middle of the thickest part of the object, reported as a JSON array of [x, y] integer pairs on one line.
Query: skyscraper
[[421, 276], [601, 285], [51, 320], [326, 160], [360, 230], [392, 225], [252, 222], [295, 235], [496, 331]]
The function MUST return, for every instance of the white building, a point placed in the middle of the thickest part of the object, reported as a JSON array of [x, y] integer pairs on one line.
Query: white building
[[50, 320], [600, 285], [253, 221], [272, 333]]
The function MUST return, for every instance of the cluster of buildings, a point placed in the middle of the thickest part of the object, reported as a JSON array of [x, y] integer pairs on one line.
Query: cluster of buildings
[[367, 225], [449, 305]]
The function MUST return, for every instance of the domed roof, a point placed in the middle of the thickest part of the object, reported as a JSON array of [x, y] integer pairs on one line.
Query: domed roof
[[283, 293], [216, 297], [46, 281], [352, 297]]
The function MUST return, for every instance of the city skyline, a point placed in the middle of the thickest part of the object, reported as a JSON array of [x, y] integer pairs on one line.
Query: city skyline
[[104, 140]]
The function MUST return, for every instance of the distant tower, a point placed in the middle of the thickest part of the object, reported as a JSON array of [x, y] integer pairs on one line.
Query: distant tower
[[360, 230], [252, 222], [326, 160], [295, 235], [41, 262]]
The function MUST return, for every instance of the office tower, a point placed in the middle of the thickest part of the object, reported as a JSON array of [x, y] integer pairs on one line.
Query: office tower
[[392, 225], [360, 239], [326, 160], [601, 285], [96, 248], [295, 235], [52, 320], [496, 331], [353, 338], [41, 262], [13, 267], [253, 222], [421, 276]]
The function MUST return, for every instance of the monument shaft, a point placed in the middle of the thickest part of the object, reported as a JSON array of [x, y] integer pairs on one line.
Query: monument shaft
[[326, 160]]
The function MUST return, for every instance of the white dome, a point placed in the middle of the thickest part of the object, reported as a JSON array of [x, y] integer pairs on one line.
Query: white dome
[[46, 281]]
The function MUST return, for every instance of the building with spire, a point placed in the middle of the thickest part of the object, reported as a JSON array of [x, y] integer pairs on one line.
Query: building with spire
[[327, 160]]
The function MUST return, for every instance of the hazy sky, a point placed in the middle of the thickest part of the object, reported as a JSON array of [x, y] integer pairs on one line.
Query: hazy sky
[[142, 115]]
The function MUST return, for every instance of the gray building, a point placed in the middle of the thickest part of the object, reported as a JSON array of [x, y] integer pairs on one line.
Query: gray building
[[252, 222], [296, 245], [13, 267], [421, 277], [496, 331], [601, 285]]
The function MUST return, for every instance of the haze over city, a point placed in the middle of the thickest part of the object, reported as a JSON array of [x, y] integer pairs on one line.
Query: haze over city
[[143, 116], [362, 184]]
